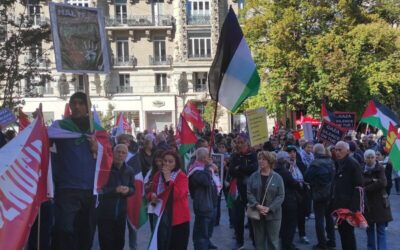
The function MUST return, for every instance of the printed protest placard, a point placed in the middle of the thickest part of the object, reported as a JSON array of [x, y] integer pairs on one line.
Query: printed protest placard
[[257, 126], [346, 120], [330, 132], [218, 160], [79, 39], [6, 117]]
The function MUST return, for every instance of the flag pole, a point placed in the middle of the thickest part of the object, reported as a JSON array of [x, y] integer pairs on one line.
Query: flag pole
[[86, 82], [213, 126], [38, 228]]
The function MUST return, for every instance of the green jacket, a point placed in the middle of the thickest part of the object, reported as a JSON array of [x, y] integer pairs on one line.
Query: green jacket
[[275, 194]]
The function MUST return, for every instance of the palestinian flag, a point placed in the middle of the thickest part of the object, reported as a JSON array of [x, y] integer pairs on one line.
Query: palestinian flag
[[326, 114], [137, 203], [185, 136], [233, 74], [233, 193], [379, 116], [161, 236], [66, 128]]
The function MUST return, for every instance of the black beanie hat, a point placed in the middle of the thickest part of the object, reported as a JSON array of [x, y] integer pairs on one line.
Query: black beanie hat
[[78, 95]]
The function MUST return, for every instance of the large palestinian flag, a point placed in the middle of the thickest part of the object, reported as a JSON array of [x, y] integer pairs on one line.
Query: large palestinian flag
[[23, 181], [66, 128], [379, 116], [137, 203], [185, 137], [233, 74]]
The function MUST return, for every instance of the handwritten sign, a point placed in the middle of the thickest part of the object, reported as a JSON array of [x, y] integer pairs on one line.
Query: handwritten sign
[[330, 132], [345, 120], [79, 39], [6, 117], [257, 126]]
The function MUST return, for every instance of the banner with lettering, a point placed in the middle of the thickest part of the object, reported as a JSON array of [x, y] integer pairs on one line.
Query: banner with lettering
[[79, 39], [23, 182], [345, 120], [6, 117], [331, 132]]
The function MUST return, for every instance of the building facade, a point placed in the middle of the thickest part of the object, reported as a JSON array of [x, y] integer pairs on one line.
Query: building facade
[[155, 47]]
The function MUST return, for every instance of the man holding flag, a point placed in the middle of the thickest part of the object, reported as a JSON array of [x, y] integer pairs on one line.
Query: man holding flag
[[74, 167]]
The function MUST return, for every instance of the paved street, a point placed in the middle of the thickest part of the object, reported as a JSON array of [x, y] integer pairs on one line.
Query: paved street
[[223, 235]]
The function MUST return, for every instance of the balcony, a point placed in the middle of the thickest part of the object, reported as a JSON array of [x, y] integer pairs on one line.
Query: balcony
[[161, 89], [32, 21], [119, 90], [199, 88], [160, 60], [200, 56], [124, 61], [141, 21], [44, 90], [198, 20]]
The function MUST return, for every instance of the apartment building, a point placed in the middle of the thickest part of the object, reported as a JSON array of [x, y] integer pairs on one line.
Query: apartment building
[[155, 47]]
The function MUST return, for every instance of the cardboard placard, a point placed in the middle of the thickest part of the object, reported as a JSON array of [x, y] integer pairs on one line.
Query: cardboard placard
[[346, 120], [79, 39], [330, 132], [257, 126]]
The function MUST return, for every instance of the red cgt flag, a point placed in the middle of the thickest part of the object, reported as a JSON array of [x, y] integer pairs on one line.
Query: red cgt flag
[[192, 115], [23, 183]]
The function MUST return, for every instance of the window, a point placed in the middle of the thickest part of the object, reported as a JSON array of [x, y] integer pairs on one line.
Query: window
[[34, 13], [159, 50], [198, 7], [199, 45], [35, 54], [199, 81], [81, 3], [124, 84], [80, 84], [161, 83], [122, 51], [3, 33], [120, 12]]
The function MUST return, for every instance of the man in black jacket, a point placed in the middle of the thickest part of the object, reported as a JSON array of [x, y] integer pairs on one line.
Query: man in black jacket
[[243, 164], [113, 202], [348, 177], [320, 176], [204, 193]]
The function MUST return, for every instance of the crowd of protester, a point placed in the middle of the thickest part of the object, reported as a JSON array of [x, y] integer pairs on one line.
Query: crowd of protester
[[270, 189]]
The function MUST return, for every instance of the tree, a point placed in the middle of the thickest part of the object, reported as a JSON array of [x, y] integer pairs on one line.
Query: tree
[[342, 50], [107, 117], [209, 110], [21, 55]]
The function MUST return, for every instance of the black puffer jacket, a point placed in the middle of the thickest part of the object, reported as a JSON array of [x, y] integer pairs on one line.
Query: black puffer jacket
[[112, 205], [291, 187], [241, 167], [320, 175], [348, 176]]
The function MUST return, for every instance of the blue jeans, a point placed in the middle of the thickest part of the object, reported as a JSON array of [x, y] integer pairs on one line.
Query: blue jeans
[[381, 235], [201, 232]]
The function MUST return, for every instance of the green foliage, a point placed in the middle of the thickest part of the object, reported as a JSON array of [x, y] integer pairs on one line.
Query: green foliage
[[107, 117], [17, 44], [209, 110], [342, 50]]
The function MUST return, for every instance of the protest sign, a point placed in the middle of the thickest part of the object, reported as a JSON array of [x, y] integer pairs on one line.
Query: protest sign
[[330, 132], [218, 160], [6, 117], [308, 133], [79, 39], [345, 120], [257, 126]]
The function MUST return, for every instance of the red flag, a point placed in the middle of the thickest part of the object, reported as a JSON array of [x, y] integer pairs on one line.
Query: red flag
[[67, 111], [23, 182], [185, 136], [192, 115], [276, 128], [298, 134], [23, 120], [391, 138], [122, 123]]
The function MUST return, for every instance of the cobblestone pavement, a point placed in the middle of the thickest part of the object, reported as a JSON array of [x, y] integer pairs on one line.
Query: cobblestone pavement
[[223, 235]]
